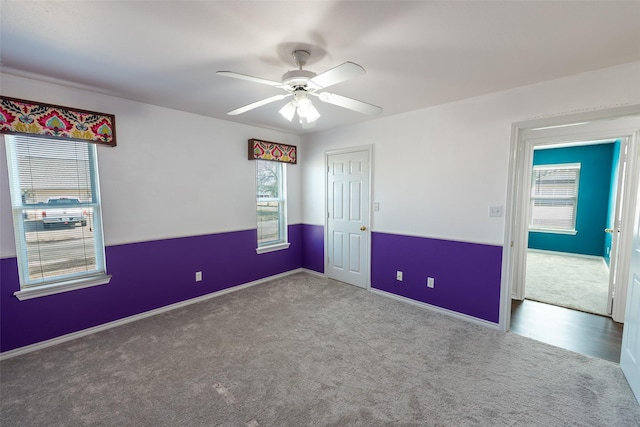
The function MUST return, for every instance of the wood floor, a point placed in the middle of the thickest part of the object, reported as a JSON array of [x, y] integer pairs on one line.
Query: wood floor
[[585, 333]]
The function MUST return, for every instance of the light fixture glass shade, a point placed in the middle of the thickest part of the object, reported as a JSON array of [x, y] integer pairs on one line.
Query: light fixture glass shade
[[306, 124], [304, 104], [301, 104], [312, 114], [289, 110]]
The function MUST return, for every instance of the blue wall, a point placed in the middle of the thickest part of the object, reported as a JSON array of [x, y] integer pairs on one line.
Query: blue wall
[[593, 199]]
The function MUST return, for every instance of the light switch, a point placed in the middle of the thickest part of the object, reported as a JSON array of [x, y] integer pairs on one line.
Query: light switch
[[496, 211]]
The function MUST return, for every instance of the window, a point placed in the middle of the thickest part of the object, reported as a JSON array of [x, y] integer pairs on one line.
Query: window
[[271, 206], [56, 215], [554, 198]]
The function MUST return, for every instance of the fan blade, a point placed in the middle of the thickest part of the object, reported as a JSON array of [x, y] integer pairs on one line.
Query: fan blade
[[338, 74], [350, 103], [257, 104], [249, 78]]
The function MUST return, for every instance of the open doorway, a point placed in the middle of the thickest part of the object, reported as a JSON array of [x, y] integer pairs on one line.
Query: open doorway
[[602, 128], [574, 198]]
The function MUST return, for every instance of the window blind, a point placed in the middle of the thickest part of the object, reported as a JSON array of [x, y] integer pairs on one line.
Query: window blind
[[554, 197], [56, 209]]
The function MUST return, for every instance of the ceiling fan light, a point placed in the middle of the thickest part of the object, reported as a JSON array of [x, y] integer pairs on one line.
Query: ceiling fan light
[[306, 124], [304, 106], [312, 114], [288, 111]]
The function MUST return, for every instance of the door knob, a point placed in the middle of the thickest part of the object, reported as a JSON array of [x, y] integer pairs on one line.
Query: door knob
[[363, 228]]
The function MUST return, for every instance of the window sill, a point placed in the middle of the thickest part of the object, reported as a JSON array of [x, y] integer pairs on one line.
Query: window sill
[[272, 248], [551, 231], [57, 288]]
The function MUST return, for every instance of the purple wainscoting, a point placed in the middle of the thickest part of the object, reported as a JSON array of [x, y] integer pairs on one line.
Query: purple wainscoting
[[467, 275], [146, 276], [313, 247]]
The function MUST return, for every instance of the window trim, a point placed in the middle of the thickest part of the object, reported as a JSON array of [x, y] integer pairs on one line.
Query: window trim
[[272, 248], [62, 286], [551, 166], [553, 231], [61, 283], [283, 242]]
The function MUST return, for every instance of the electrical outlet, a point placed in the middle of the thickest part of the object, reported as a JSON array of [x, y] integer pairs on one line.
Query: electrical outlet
[[198, 276], [430, 282], [399, 276]]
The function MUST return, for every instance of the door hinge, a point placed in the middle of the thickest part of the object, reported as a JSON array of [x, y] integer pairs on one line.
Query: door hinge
[[328, 215]]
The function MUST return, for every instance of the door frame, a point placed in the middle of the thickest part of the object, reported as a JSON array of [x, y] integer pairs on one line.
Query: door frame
[[369, 149], [520, 165]]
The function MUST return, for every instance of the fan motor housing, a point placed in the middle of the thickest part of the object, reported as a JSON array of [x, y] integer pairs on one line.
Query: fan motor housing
[[297, 78]]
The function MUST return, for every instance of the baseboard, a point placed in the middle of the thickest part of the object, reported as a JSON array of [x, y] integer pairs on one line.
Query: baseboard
[[441, 310], [78, 334], [314, 273], [421, 304], [542, 251]]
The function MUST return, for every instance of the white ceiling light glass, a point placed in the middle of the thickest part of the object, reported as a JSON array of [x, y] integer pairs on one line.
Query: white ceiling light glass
[[306, 124], [302, 105], [312, 114], [307, 111], [288, 111]]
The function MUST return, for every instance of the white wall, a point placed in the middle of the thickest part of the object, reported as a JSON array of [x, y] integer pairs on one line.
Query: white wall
[[437, 170], [172, 174]]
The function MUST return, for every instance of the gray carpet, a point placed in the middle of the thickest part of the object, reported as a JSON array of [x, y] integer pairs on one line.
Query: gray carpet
[[306, 351], [567, 281]]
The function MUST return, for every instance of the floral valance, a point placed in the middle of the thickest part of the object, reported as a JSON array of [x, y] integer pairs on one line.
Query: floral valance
[[274, 151], [34, 118]]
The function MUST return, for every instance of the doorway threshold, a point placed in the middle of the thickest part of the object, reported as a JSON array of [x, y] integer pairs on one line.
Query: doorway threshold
[[584, 333]]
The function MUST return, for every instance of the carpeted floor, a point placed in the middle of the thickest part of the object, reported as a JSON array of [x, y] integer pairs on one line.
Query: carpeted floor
[[307, 351], [567, 281]]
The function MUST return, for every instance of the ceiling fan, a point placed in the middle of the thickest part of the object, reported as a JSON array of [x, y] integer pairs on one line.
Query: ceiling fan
[[300, 84]]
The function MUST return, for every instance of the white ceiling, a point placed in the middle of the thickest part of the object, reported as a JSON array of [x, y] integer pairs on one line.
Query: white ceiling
[[417, 53]]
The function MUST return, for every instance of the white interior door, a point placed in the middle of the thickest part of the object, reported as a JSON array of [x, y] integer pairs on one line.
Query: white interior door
[[348, 236], [615, 277], [630, 354]]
